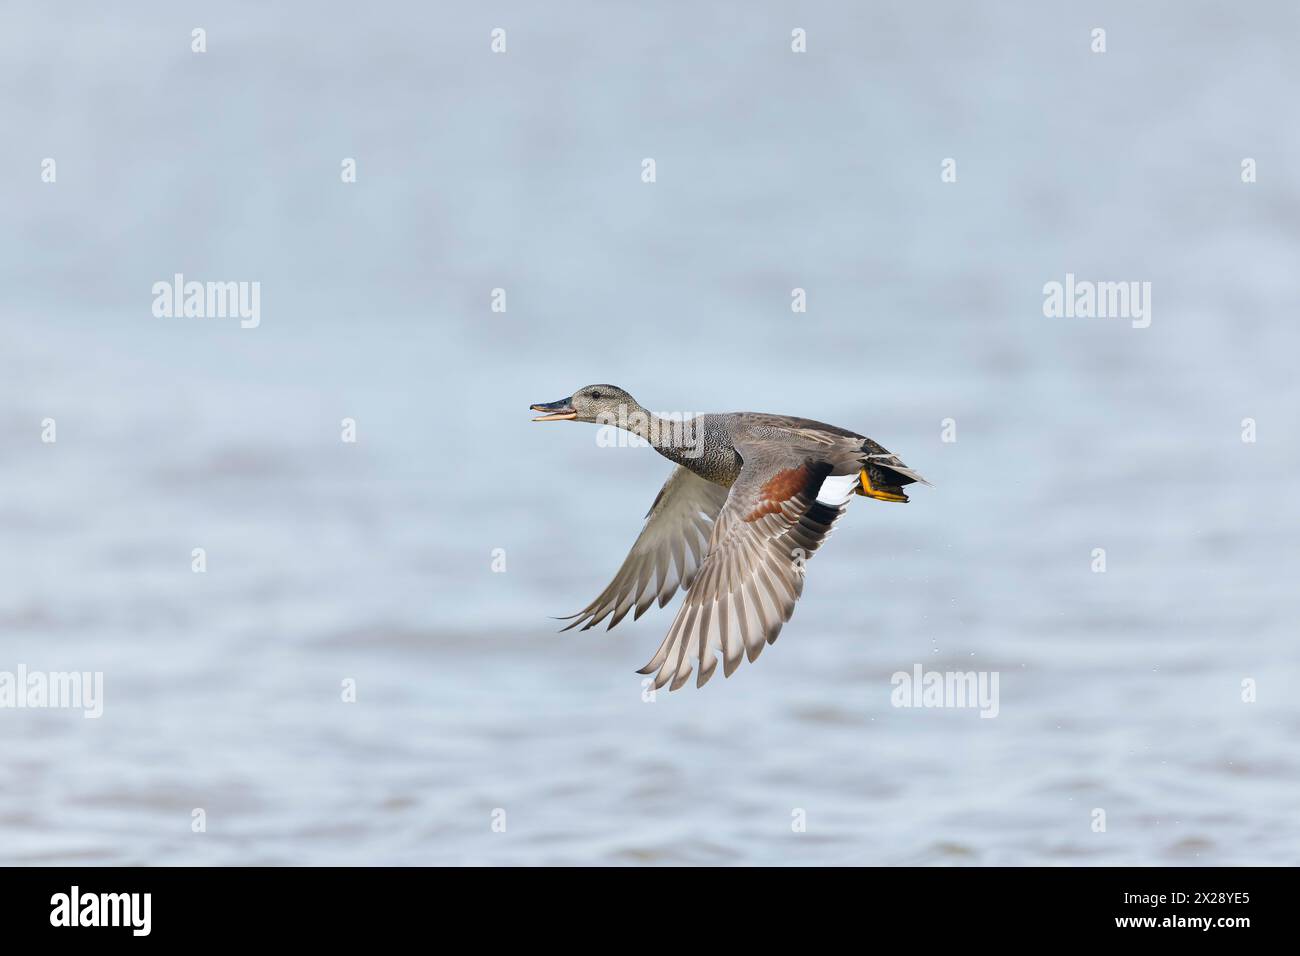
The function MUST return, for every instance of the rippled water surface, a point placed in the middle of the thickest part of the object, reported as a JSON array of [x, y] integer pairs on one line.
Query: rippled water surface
[[372, 562]]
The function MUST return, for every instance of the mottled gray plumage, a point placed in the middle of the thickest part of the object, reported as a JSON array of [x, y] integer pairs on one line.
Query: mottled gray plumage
[[733, 525]]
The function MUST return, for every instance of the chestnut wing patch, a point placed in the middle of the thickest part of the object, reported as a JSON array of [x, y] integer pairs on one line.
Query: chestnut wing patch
[[784, 485]]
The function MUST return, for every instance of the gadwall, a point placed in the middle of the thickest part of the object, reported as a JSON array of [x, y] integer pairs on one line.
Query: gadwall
[[732, 525]]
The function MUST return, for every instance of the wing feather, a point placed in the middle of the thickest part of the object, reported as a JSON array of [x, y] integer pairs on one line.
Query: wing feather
[[667, 554], [752, 573]]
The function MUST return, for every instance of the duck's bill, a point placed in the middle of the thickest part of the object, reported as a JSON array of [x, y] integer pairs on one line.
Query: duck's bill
[[560, 411]]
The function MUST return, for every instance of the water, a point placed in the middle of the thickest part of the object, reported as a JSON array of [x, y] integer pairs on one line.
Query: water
[[372, 562]]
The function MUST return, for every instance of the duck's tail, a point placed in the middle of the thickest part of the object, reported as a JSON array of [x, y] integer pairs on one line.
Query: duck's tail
[[883, 475]]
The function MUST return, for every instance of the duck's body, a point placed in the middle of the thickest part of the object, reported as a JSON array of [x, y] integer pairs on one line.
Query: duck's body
[[733, 524], [722, 434]]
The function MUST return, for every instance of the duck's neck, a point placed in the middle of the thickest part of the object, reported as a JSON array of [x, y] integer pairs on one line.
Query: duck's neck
[[675, 440], [641, 422]]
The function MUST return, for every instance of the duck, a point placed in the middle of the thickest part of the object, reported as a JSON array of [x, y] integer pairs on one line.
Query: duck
[[733, 526]]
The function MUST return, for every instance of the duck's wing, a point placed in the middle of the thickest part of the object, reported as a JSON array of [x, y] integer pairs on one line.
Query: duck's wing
[[667, 553], [747, 586]]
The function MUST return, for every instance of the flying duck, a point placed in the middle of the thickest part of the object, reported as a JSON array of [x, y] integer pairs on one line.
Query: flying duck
[[733, 524]]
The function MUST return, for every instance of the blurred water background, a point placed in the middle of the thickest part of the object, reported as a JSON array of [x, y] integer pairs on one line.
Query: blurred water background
[[373, 561]]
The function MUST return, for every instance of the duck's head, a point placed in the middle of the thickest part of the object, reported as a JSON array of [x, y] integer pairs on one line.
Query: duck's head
[[588, 404]]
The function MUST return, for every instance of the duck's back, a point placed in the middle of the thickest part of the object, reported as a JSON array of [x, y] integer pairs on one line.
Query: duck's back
[[765, 425]]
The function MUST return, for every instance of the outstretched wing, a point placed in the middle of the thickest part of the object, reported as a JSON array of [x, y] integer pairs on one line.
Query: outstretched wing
[[668, 552], [753, 573]]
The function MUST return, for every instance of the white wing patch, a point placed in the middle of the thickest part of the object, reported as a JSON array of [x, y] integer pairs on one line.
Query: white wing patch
[[837, 489]]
